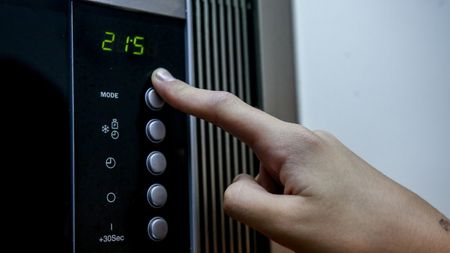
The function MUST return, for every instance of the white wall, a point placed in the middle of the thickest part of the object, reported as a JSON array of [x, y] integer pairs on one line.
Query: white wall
[[376, 73]]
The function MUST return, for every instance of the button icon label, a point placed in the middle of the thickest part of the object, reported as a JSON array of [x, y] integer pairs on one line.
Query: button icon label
[[105, 129], [114, 124], [115, 134], [113, 127], [110, 95], [111, 238], [111, 197], [110, 163]]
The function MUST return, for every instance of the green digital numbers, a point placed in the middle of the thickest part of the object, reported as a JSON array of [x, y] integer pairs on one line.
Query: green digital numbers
[[108, 42], [138, 46], [133, 44], [127, 44]]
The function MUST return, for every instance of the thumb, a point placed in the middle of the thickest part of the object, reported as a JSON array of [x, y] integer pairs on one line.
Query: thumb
[[248, 202]]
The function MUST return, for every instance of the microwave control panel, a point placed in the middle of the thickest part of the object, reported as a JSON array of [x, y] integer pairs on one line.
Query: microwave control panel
[[131, 191]]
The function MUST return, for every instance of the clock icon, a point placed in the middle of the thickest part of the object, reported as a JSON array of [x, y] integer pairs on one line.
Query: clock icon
[[110, 162], [115, 134]]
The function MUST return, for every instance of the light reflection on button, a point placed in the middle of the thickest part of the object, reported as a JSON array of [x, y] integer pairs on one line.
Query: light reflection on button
[[155, 130], [157, 196], [157, 229], [153, 100], [156, 163]]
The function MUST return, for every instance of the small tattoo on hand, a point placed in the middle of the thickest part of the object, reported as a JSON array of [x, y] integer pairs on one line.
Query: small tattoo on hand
[[445, 224]]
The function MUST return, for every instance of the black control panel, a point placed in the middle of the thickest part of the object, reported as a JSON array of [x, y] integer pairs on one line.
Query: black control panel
[[130, 148]]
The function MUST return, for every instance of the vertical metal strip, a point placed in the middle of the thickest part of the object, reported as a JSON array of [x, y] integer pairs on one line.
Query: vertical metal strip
[[231, 61], [220, 86], [240, 79], [237, 31], [228, 181], [211, 168], [243, 8], [72, 131], [217, 86], [233, 89], [247, 83], [240, 93], [193, 175], [200, 77], [225, 86], [230, 45], [244, 80]]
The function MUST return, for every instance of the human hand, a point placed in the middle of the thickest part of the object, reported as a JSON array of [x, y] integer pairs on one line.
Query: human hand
[[312, 193]]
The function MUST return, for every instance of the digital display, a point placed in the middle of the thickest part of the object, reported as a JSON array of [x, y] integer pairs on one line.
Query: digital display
[[132, 44], [126, 40]]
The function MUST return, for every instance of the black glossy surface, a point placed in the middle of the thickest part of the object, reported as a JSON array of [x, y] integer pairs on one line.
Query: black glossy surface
[[35, 88]]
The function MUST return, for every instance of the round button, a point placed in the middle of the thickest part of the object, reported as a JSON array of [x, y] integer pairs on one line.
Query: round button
[[157, 229], [155, 130], [156, 163], [153, 100], [157, 195]]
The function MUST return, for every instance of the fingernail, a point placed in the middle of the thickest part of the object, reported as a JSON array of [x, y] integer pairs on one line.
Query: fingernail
[[162, 75]]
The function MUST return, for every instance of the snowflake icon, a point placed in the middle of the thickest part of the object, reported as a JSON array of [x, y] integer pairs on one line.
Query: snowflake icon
[[105, 129]]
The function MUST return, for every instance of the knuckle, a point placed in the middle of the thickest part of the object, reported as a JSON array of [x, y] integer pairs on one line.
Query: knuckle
[[325, 135], [222, 98], [290, 141], [220, 102], [229, 203], [178, 89], [307, 138], [232, 197]]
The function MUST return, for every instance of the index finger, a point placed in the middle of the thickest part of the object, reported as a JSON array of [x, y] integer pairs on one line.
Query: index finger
[[218, 107]]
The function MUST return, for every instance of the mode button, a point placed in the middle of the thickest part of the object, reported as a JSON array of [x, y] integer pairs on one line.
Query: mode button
[[153, 100]]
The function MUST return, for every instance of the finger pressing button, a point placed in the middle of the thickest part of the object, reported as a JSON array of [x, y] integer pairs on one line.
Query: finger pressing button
[[153, 100]]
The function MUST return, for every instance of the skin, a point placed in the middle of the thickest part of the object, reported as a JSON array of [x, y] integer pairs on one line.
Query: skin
[[312, 193]]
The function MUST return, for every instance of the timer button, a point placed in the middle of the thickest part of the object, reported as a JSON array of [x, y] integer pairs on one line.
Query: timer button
[[155, 130], [157, 196], [153, 100], [156, 163], [157, 229]]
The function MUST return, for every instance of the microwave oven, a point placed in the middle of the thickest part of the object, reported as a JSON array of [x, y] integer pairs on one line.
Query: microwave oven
[[109, 167]]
